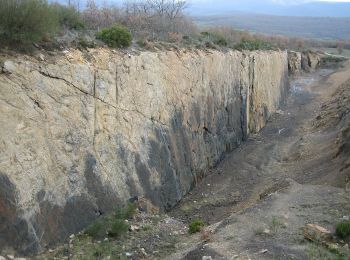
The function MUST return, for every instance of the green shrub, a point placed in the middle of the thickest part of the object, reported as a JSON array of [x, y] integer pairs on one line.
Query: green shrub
[[97, 229], [221, 41], [25, 21], [118, 228], [116, 36], [253, 45], [342, 229], [195, 226], [84, 43], [215, 38], [113, 224], [126, 212]]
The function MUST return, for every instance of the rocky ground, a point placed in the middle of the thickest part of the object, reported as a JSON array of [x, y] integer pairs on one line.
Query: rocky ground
[[256, 203]]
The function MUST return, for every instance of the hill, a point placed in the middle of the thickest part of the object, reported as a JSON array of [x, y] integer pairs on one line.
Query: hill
[[269, 7], [309, 27]]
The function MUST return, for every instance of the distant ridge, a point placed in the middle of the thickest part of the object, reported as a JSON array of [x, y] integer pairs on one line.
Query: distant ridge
[[327, 28], [312, 9]]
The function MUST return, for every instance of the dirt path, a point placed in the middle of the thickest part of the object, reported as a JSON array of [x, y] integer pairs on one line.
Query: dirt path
[[289, 156]]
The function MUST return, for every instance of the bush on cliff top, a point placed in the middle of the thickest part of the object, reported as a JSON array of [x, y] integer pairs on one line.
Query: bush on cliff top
[[25, 21], [214, 37], [116, 36], [253, 45]]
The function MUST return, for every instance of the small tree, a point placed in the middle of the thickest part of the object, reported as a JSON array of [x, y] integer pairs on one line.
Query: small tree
[[157, 17], [96, 17], [25, 21]]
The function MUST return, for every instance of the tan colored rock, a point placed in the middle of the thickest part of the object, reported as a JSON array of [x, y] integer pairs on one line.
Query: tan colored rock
[[317, 234], [310, 60], [294, 62], [78, 137]]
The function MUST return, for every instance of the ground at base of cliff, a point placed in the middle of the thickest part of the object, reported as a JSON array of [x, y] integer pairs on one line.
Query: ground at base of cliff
[[271, 229], [258, 201]]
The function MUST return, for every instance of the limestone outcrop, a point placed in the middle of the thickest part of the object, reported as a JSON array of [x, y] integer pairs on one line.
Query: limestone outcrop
[[310, 60], [294, 62], [82, 132]]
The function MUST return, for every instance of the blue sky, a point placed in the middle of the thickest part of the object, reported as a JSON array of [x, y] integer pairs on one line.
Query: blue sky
[[283, 1]]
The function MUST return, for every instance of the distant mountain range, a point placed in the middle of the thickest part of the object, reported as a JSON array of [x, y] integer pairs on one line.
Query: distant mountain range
[[327, 28], [270, 7]]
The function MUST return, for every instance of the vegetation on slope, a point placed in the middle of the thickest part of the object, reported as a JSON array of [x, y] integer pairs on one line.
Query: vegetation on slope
[[145, 24], [25, 21], [116, 36]]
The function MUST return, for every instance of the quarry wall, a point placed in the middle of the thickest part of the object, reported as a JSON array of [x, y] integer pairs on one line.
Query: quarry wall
[[83, 132]]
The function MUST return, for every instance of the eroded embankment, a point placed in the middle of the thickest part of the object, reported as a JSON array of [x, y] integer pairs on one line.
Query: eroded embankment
[[84, 132]]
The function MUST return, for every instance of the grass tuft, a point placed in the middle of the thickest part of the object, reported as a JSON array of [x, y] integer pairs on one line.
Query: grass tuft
[[342, 229], [118, 228], [126, 212], [97, 229], [195, 226], [113, 225]]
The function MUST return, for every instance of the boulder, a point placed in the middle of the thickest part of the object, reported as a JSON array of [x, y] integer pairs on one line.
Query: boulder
[[317, 234], [294, 62]]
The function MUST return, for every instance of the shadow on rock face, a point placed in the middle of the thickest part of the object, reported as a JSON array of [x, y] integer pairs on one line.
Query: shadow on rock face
[[105, 198], [181, 153], [54, 223], [13, 229]]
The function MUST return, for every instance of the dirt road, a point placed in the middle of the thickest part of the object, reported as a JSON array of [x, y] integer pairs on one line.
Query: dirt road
[[282, 178]]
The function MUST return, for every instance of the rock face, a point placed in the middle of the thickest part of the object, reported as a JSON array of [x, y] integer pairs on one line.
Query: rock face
[[84, 132], [294, 62], [310, 60]]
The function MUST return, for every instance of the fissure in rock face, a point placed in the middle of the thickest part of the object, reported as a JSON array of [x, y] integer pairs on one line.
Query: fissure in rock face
[[80, 137]]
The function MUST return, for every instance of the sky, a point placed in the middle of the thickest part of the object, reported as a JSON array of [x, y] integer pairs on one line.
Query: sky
[[284, 1]]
